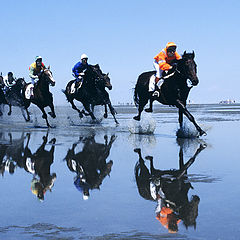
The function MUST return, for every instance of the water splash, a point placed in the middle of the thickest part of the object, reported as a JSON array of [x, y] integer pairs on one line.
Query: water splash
[[146, 126]]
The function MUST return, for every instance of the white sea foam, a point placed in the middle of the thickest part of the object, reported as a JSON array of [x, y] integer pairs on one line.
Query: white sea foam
[[147, 125]]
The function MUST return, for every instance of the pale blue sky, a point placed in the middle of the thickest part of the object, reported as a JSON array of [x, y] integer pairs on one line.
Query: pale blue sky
[[123, 37]]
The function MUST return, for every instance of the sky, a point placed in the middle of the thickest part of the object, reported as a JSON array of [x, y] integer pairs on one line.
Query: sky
[[123, 37]]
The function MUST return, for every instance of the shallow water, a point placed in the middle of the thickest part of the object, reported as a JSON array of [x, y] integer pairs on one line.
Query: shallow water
[[115, 209]]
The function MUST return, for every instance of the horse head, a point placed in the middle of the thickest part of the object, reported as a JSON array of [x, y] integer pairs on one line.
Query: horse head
[[103, 79], [190, 67], [47, 75]]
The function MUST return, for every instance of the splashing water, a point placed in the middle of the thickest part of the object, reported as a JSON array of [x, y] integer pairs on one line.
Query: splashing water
[[146, 126], [188, 130]]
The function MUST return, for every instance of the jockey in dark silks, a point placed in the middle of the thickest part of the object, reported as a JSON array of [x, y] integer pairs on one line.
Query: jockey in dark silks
[[78, 71], [9, 81]]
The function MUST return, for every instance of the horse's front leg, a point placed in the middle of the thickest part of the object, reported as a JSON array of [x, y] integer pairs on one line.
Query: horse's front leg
[[113, 112], [105, 113], [44, 116], [52, 113], [10, 109], [180, 117], [183, 108], [27, 119]]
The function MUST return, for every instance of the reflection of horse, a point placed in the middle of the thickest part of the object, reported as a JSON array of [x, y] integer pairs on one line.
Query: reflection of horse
[[174, 90], [42, 96], [11, 152], [170, 189], [90, 164], [92, 92], [39, 164]]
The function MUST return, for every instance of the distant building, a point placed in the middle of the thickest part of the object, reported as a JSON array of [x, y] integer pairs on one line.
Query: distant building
[[228, 101]]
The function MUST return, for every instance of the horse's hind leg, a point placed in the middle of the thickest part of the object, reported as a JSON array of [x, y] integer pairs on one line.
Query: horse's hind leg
[[75, 108], [189, 116], [44, 116], [27, 119], [150, 109], [10, 110], [87, 107], [142, 103], [105, 113], [180, 118]]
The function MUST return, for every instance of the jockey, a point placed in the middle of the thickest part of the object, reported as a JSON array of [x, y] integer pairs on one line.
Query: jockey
[[35, 68], [79, 69], [8, 81], [162, 61]]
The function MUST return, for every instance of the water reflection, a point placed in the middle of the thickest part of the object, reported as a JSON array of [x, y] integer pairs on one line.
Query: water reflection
[[90, 164], [13, 154], [169, 188]]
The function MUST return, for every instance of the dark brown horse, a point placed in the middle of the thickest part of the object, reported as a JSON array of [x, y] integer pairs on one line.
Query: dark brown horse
[[174, 90], [92, 92], [42, 96], [2, 97]]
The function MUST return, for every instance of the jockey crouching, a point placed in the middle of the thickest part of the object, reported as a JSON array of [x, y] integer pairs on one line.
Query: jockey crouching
[[162, 63], [78, 72], [34, 71], [8, 81]]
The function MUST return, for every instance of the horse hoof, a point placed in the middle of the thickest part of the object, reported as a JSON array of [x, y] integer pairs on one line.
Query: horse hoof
[[148, 110], [137, 118], [80, 115], [9, 113], [105, 115], [202, 133]]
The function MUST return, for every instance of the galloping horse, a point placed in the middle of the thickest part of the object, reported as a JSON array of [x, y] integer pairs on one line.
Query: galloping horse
[[42, 96], [2, 96], [174, 91], [14, 97], [92, 92]]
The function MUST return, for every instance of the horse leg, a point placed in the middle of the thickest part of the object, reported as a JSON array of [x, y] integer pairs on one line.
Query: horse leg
[[184, 110], [150, 109], [142, 103], [105, 114], [10, 109], [113, 112], [44, 116], [180, 118], [27, 119], [52, 113], [75, 108], [88, 108]]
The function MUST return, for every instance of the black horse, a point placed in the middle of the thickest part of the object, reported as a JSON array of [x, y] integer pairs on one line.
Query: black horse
[[14, 97], [174, 91], [169, 186], [92, 92], [90, 163], [42, 96], [2, 97]]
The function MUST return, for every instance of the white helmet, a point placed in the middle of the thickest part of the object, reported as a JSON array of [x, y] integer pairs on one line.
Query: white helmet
[[84, 56]]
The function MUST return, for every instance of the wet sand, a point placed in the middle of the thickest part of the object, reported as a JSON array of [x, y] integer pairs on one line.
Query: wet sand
[[78, 180]]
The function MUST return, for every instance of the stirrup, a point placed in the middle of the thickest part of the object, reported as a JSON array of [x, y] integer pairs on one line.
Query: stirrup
[[155, 94]]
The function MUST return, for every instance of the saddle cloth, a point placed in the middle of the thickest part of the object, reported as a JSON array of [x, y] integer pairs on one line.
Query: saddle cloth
[[29, 91]]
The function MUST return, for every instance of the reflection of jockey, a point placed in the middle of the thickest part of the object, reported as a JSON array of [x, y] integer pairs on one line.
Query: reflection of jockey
[[162, 61], [79, 69], [8, 81], [164, 214], [81, 184], [34, 70]]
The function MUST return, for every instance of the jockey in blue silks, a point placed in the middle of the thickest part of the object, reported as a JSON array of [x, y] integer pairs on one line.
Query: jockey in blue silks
[[79, 69]]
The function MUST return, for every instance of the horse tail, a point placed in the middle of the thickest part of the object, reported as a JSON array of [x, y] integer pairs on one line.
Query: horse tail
[[65, 92]]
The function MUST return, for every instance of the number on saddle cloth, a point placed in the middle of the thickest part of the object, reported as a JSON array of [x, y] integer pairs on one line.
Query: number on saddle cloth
[[29, 91]]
